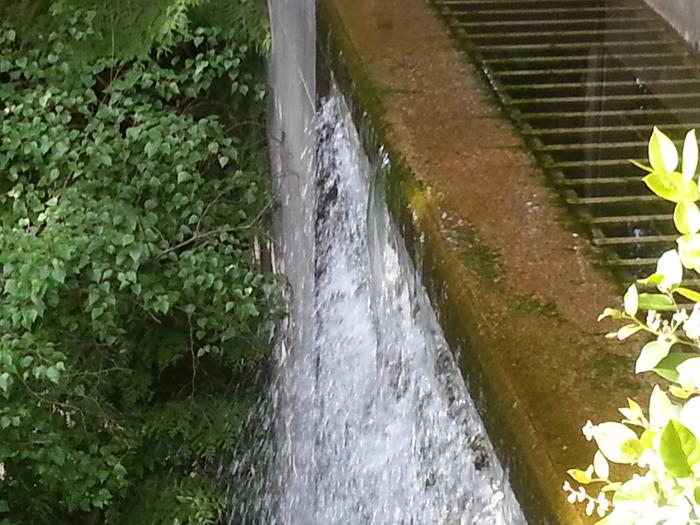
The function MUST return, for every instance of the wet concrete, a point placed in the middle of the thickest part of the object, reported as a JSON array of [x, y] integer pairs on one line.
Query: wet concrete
[[515, 285], [684, 15]]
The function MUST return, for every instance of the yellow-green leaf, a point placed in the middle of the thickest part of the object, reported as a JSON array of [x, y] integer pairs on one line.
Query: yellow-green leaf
[[672, 186], [655, 301], [579, 475], [688, 294], [641, 166], [689, 250], [686, 217], [679, 449], [690, 155], [663, 155]]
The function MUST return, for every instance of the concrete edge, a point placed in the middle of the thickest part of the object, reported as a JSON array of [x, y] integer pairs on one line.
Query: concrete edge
[[530, 468]]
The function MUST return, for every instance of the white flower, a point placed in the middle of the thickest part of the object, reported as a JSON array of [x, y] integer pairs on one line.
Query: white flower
[[2, 472], [681, 316], [603, 504], [653, 320], [588, 430], [581, 495], [692, 325]]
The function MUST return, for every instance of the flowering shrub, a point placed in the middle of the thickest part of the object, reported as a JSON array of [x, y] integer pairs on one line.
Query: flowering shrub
[[661, 443]]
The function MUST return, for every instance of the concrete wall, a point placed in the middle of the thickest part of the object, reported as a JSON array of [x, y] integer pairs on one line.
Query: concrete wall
[[684, 15]]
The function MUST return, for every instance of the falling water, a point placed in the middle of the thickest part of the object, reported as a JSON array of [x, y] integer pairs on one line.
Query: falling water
[[371, 422]]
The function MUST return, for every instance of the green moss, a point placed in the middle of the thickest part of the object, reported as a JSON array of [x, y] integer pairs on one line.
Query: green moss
[[476, 254], [530, 305]]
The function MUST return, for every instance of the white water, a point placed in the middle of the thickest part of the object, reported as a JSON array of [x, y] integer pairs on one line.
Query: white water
[[370, 420]]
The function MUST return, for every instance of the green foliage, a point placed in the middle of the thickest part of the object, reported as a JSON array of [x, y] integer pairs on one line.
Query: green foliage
[[132, 200], [663, 443]]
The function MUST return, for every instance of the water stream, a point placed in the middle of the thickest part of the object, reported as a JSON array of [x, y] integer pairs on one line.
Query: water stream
[[370, 420]]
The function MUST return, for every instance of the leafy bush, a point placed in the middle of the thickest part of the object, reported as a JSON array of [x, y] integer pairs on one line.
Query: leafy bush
[[132, 200], [663, 442]]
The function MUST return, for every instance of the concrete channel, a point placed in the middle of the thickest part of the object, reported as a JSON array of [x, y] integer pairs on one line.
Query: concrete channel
[[516, 276]]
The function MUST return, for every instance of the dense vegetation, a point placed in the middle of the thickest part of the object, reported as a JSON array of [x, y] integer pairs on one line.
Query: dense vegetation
[[133, 197]]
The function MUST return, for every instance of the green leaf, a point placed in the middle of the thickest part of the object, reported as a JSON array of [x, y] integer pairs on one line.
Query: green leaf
[[672, 186], [610, 312], [679, 449], [53, 374], [127, 239], [5, 382], [667, 367], [655, 301], [651, 355], [663, 155], [617, 442], [653, 280], [641, 166], [223, 161], [689, 250], [579, 475], [688, 294], [686, 217]]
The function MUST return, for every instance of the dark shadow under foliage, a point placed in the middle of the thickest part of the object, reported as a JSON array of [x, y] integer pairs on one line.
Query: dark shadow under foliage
[[133, 195]]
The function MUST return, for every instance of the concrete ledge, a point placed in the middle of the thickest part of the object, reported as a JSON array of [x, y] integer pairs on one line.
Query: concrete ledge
[[516, 290], [683, 15]]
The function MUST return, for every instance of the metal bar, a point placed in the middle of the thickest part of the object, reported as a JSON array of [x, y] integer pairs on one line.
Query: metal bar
[[599, 69], [598, 129], [600, 181], [610, 113], [572, 45], [613, 199], [552, 21], [573, 58], [473, 2], [639, 262], [605, 98], [628, 219], [647, 239], [545, 42], [454, 8], [591, 163], [595, 146], [563, 34], [602, 83]]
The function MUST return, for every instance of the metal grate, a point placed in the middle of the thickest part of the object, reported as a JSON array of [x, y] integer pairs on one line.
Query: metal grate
[[584, 81]]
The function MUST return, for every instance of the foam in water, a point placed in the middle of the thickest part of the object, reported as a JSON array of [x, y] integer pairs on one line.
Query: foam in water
[[372, 422], [368, 421]]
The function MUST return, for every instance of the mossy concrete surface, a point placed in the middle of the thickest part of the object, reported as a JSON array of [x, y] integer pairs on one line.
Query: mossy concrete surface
[[516, 290]]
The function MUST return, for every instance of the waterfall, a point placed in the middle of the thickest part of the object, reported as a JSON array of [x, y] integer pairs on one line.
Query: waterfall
[[370, 419]]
